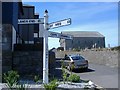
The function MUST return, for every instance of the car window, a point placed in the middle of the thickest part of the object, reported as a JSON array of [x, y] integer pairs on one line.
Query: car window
[[67, 58], [77, 58]]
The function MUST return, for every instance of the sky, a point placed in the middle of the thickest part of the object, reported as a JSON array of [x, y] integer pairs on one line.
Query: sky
[[85, 16]]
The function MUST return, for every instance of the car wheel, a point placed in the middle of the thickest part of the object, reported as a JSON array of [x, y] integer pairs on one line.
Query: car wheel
[[86, 68]]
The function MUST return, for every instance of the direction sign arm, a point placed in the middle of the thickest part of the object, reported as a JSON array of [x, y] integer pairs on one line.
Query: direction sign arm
[[59, 35]]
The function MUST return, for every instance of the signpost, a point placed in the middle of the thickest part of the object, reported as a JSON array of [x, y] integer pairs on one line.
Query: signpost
[[45, 48], [60, 23], [47, 34], [58, 35], [31, 21]]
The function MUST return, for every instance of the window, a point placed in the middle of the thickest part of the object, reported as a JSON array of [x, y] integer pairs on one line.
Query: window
[[35, 34]]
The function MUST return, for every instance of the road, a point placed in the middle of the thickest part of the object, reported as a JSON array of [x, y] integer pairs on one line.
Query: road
[[103, 76]]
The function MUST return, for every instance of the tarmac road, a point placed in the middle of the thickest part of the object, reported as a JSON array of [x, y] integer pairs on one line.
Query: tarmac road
[[103, 76]]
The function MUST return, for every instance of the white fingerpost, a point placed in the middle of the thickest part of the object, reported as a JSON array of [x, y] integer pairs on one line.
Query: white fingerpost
[[45, 49]]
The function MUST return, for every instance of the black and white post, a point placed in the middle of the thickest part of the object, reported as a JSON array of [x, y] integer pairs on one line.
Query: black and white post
[[45, 49]]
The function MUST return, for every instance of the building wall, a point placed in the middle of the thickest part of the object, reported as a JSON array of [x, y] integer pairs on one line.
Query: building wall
[[10, 13], [30, 63], [62, 43], [6, 47], [36, 26], [27, 31], [95, 56], [83, 42], [9, 24]]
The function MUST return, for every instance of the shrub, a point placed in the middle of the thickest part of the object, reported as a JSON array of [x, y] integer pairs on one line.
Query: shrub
[[74, 78], [37, 78], [11, 78], [52, 85], [64, 74], [62, 64]]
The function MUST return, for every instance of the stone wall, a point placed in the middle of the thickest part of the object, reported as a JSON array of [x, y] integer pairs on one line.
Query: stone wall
[[25, 62], [30, 63], [104, 57]]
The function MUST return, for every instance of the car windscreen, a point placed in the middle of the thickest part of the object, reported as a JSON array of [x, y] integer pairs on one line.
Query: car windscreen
[[77, 58]]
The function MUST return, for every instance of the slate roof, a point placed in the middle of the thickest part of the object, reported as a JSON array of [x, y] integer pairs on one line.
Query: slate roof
[[27, 5], [83, 33]]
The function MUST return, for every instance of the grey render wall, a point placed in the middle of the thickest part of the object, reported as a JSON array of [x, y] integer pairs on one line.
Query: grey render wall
[[27, 31], [83, 42], [6, 47]]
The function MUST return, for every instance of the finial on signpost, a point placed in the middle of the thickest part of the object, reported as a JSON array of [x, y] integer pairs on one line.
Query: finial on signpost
[[46, 11]]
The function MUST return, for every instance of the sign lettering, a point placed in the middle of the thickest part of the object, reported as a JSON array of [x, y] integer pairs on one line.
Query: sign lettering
[[31, 21], [60, 23], [59, 35]]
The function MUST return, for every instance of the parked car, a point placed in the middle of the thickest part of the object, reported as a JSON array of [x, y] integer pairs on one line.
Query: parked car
[[75, 62]]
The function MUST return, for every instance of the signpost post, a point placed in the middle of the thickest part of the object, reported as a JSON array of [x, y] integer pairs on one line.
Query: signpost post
[[45, 48], [47, 34]]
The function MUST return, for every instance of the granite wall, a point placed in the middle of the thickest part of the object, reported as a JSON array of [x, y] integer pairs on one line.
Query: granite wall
[[104, 57], [30, 63]]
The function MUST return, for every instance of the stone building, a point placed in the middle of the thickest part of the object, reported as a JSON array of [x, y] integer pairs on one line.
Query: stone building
[[82, 40], [21, 45]]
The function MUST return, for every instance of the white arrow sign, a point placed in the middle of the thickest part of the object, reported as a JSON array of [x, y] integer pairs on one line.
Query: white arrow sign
[[58, 35], [60, 23], [31, 21]]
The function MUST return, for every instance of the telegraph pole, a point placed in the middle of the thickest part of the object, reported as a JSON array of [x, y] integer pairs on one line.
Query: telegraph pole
[[45, 49]]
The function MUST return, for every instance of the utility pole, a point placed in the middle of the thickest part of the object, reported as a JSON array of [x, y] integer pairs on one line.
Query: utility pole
[[45, 49]]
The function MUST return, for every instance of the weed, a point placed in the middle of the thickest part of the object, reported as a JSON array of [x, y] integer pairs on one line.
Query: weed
[[74, 78]]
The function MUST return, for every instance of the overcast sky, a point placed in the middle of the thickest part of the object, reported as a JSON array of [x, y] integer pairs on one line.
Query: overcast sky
[[86, 16]]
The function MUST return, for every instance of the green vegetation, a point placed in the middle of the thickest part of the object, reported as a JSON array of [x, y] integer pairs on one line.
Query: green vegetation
[[64, 74], [37, 78], [71, 67], [11, 78], [74, 78], [76, 49], [116, 48], [52, 85]]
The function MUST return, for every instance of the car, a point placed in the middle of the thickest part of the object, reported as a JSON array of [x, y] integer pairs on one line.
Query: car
[[75, 62]]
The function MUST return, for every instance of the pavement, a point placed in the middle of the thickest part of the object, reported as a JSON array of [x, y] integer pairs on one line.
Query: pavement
[[103, 76]]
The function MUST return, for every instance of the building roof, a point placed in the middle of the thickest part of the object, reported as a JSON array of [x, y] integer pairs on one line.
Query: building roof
[[27, 5], [36, 13], [83, 33]]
